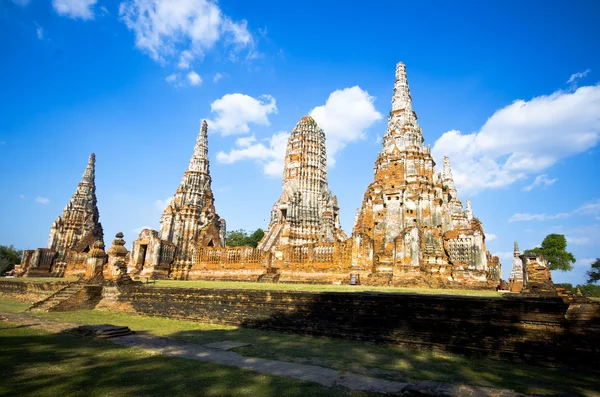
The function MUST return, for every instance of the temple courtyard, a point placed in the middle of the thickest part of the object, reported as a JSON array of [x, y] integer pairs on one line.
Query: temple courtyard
[[266, 363]]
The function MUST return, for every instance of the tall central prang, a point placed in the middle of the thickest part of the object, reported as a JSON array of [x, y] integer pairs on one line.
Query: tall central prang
[[412, 228], [306, 212]]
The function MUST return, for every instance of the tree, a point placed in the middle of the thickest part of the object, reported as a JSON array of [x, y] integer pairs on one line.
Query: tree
[[9, 257], [554, 249], [594, 273], [255, 237], [240, 238]]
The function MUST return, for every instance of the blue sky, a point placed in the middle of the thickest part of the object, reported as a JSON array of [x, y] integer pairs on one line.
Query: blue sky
[[508, 89]]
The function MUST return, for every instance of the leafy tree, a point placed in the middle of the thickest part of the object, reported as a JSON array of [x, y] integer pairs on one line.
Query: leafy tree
[[9, 257], [241, 238], [554, 249], [594, 273], [255, 237], [236, 238]]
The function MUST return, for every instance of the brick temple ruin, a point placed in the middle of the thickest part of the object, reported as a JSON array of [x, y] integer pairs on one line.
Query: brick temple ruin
[[411, 230]]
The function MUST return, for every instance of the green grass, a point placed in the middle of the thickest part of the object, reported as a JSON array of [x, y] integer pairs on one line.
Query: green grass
[[319, 288], [37, 363], [391, 362], [38, 279]]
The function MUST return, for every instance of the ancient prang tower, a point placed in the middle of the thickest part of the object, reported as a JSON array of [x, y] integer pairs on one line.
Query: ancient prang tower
[[72, 234], [306, 212], [78, 227], [412, 228], [189, 222]]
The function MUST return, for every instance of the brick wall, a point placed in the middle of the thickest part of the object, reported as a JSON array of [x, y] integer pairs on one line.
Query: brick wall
[[530, 329], [29, 291]]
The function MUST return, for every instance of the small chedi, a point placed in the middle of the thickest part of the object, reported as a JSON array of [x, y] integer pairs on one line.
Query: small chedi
[[412, 228], [72, 234], [530, 274], [188, 223]]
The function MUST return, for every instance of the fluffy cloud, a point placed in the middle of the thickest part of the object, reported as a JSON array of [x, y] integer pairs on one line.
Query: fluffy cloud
[[540, 180], [75, 8], [161, 205], [217, 77], [592, 208], [270, 155], [42, 200], [194, 78], [186, 29], [585, 262], [490, 237], [523, 138], [576, 76], [345, 116], [235, 111]]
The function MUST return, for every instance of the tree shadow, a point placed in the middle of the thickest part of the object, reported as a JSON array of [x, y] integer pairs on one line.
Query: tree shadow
[[34, 363]]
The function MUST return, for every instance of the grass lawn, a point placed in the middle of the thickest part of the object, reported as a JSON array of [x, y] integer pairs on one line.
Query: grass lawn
[[319, 288], [391, 362], [37, 363]]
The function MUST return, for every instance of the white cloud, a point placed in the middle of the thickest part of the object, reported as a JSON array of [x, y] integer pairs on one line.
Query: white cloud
[[39, 31], [540, 180], [505, 257], [217, 77], [271, 154], [577, 76], [585, 262], [245, 141], [161, 205], [235, 111], [194, 78], [578, 240], [188, 28], [490, 237], [592, 208], [75, 8], [523, 138], [171, 78], [184, 60], [138, 230], [345, 117], [42, 200]]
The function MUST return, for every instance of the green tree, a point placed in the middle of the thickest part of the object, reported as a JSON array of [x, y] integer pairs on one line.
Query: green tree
[[9, 257], [554, 249], [236, 238], [255, 237], [594, 273], [241, 238]]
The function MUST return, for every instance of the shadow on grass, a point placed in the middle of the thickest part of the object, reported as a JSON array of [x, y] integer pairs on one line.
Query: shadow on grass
[[34, 363], [403, 364]]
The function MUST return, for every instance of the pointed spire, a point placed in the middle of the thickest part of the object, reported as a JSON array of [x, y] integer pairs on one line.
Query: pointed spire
[[516, 252], [199, 160], [469, 211], [90, 171], [401, 99], [447, 173]]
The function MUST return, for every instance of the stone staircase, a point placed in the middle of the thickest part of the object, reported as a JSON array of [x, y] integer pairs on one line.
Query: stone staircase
[[269, 278], [271, 238], [46, 305]]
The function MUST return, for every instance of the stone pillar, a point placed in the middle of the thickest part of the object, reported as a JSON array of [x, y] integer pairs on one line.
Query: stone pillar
[[95, 262], [117, 263]]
